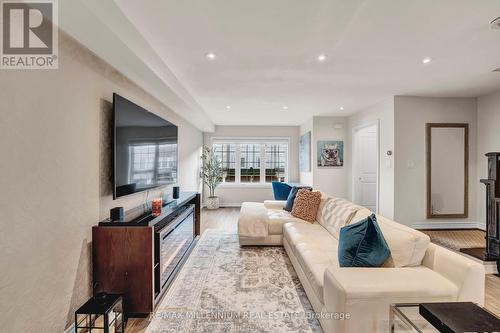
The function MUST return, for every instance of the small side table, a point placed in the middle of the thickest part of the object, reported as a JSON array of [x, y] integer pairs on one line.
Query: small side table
[[450, 317], [102, 313], [405, 317]]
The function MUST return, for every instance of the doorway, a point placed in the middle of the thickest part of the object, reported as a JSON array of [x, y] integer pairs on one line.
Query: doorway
[[365, 168]]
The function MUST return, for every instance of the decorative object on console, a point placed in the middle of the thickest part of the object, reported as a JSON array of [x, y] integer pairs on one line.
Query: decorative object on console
[[330, 153], [156, 206], [362, 244], [281, 190], [175, 192], [211, 173], [117, 214], [305, 152], [306, 204], [102, 313]]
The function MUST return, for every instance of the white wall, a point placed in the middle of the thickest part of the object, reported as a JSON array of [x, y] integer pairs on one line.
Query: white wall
[[306, 177], [232, 195], [411, 116], [383, 114], [332, 181], [56, 148], [488, 140]]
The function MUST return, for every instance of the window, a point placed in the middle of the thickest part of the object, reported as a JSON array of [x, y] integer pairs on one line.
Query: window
[[252, 161], [276, 158], [226, 152]]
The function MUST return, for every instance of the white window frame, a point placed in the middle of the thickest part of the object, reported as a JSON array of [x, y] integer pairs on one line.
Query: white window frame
[[263, 141]]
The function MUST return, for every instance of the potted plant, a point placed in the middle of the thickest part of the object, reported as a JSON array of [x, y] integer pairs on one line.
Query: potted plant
[[211, 173]]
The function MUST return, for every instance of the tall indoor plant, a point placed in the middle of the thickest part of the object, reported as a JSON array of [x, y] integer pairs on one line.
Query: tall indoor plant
[[211, 173]]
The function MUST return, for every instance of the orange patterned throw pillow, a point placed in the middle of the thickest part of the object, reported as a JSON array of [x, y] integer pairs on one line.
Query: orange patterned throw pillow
[[306, 204]]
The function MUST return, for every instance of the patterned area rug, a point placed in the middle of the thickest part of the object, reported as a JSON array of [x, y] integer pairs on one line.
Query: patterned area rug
[[225, 288]]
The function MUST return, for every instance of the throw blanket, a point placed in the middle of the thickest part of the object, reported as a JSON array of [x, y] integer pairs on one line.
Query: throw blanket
[[253, 220]]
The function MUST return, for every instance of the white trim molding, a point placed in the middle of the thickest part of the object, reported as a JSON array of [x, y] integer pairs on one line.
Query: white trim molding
[[438, 225]]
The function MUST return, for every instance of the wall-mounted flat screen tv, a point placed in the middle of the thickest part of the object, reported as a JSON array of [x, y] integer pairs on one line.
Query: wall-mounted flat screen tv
[[145, 149]]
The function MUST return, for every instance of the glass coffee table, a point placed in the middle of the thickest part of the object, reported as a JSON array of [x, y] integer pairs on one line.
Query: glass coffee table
[[406, 318]]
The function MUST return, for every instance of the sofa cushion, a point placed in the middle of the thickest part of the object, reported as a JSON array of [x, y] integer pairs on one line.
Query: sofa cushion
[[279, 217], [280, 190], [362, 244], [274, 204], [407, 245], [306, 205], [301, 232], [336, 213], [361, 214], [314, 260], [393, 284], [253, 220]]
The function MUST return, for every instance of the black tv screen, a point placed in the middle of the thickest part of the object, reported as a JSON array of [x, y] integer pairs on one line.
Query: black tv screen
[[145, 149]]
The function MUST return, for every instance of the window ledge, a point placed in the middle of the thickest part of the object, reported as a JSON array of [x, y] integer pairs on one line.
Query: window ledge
[[245, 185]]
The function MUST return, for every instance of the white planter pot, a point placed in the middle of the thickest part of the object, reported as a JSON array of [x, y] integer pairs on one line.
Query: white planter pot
[[212, 202]]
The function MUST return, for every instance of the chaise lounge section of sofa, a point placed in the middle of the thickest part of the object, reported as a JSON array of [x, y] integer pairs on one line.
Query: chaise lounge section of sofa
[[417, 271]]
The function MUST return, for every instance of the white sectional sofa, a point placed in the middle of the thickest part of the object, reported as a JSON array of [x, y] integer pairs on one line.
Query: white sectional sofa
[[417, 270]]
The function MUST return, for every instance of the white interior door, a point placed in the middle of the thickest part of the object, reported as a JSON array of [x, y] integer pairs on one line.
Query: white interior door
[[365, 167]]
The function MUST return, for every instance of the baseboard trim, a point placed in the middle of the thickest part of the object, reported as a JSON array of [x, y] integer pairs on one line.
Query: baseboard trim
[[448, 225], [490, 267], [230, 205]]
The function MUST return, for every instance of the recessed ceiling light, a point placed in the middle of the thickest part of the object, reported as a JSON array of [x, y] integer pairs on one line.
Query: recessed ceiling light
[[228, 107], [210, 55], [426, 60], [341, 108], [285, 107], [321, 58]]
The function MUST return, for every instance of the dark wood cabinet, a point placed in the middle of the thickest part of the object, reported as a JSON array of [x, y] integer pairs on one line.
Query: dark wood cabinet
[[127, 256], [123, 263]]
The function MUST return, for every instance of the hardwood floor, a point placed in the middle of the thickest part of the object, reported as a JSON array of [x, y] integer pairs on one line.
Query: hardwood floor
[[457, 239], [225, 219], [492, 298]]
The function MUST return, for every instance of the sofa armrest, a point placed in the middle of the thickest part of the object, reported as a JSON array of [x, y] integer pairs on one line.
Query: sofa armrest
[[274, 204], [406, 284], [467, 274], [365, 294]]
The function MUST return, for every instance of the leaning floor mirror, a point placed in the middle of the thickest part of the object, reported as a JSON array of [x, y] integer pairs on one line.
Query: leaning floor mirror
[[447, 170]]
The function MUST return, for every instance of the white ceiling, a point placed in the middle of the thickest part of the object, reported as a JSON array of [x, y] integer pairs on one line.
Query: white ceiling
[[266, 52]]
